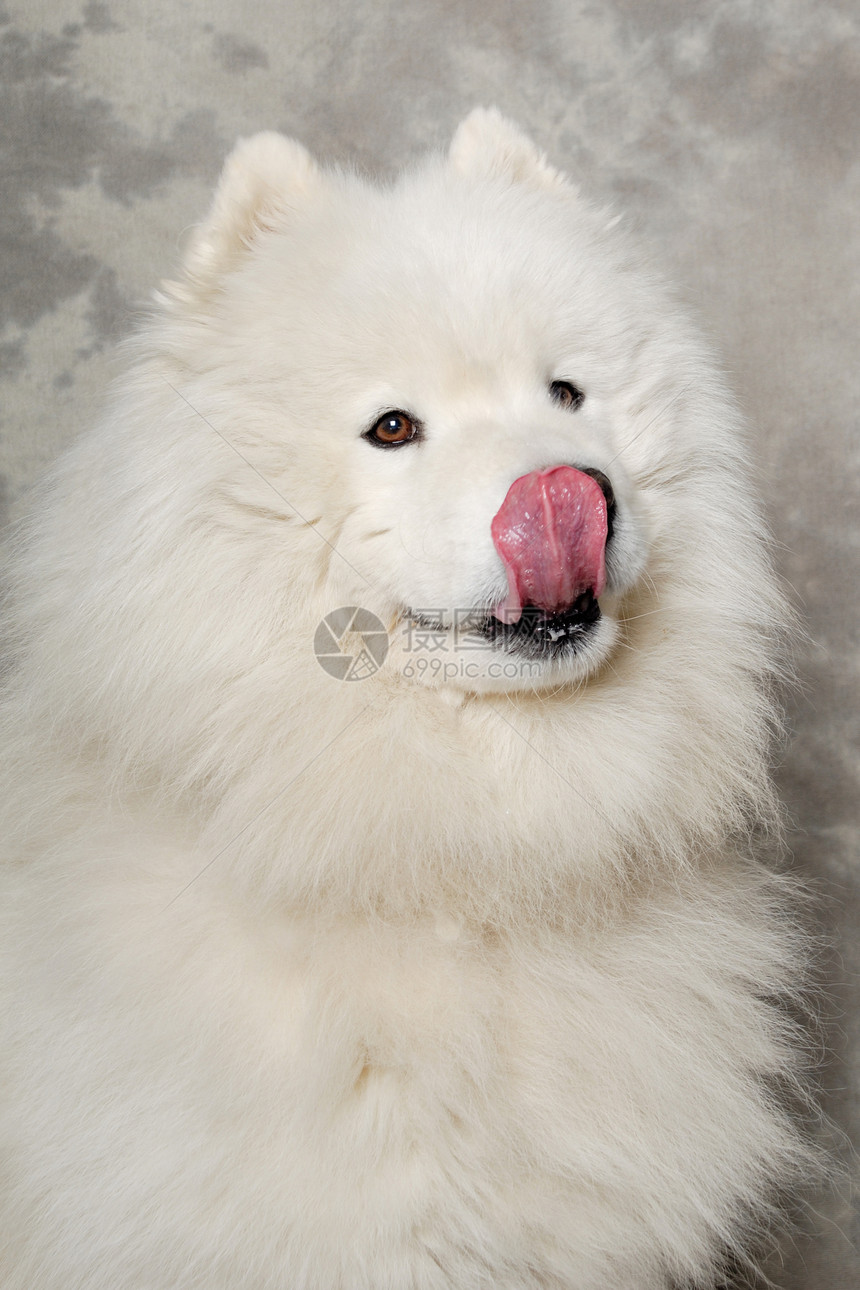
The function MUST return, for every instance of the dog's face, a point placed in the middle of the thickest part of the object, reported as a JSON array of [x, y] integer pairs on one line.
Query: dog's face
[[457, 387], [481, 455]]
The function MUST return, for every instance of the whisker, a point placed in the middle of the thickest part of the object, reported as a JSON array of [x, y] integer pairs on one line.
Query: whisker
[[685, 390]]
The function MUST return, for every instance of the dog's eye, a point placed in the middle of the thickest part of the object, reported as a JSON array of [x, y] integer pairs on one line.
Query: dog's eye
[[393, 430], [566, 395]]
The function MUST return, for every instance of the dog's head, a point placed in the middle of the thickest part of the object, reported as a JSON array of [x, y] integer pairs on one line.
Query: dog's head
[[483, 421]]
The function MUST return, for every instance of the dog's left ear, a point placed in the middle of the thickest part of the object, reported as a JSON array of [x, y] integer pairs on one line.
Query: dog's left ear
[[488, 145], [265, 178]]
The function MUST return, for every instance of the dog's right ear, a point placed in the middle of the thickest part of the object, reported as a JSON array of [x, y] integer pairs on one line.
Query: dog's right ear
[[264, 178], [487, 145]]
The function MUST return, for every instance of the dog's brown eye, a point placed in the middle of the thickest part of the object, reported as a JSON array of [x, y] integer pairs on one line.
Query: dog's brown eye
[[566, 395], [392, 430]]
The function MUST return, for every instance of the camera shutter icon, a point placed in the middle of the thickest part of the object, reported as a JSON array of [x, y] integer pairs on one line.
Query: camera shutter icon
[[351, 643]]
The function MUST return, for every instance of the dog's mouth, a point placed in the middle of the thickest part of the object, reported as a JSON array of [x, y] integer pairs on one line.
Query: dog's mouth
[[538, 634], [550, 535]]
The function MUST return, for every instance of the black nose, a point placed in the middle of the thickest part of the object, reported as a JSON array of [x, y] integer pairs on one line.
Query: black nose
[[605, 485]]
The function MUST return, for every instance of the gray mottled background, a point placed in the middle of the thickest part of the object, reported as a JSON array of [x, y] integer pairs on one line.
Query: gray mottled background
[[728, 130]]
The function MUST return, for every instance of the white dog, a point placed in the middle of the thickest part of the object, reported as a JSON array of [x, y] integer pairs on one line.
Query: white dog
[[387, 724]]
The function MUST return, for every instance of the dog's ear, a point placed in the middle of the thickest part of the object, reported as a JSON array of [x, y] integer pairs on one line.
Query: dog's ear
[[264, 178], [488, 145]]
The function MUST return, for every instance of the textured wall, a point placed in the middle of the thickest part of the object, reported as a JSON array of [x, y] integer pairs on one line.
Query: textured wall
[[727, 130]]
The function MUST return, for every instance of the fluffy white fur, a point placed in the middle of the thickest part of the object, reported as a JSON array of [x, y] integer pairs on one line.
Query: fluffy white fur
[[432, 980]]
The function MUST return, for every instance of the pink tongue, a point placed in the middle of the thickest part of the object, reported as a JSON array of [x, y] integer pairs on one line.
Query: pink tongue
[[551, 534]]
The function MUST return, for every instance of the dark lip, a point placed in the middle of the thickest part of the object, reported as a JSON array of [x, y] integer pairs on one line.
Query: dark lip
[[538, 635], [541, 635]]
